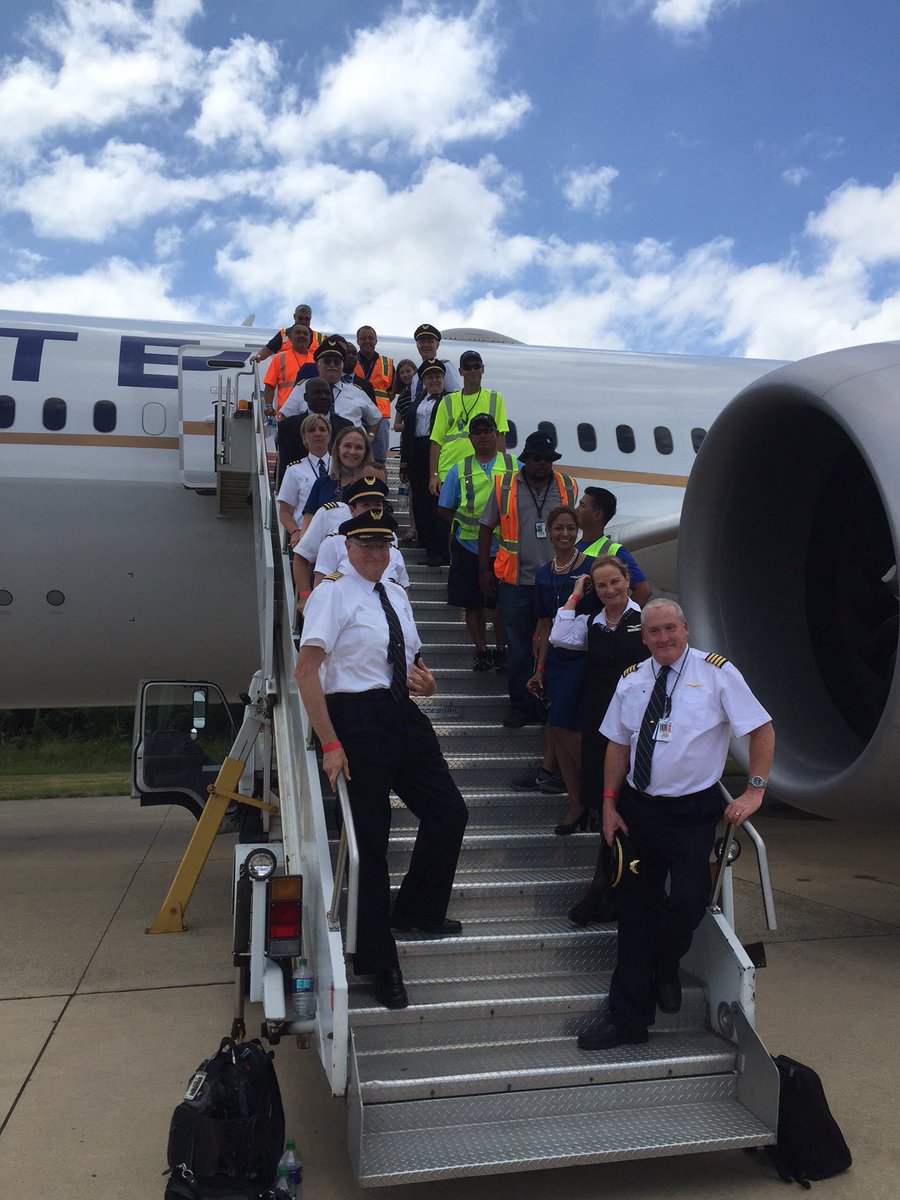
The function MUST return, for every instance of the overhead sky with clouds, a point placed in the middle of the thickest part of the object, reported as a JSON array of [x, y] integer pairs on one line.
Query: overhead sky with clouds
[[705, 176]]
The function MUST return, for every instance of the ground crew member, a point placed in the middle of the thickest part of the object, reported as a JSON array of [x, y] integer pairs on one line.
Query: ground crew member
[[378, 371], [595, 508], [280, 341], [466, 491], [669, 725], [520, 504], [450, 434], [360, 633], [284, 369]]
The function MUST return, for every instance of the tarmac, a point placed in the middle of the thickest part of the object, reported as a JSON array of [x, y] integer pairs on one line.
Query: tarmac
[[102, 1025]]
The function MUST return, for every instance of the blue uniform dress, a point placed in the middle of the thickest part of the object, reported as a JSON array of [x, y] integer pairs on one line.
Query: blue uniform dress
[[563, 669]]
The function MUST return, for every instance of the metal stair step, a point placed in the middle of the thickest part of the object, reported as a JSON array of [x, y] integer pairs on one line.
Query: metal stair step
[[532, 811], [523, 1066], [508, 848], [410, 1142]]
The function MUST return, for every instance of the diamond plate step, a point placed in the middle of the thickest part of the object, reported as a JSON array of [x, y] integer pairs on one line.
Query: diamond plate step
[[410, 1142], [525, 810], [508, 849]]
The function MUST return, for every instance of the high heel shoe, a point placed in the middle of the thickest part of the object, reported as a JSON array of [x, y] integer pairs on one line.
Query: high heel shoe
[[580, 824]]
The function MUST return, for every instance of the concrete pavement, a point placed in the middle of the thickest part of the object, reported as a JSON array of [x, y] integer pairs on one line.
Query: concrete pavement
[[101, 1025]]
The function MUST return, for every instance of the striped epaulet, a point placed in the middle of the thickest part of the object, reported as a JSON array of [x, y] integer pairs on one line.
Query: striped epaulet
[[334, 575], [334, 533], [296, 462], [717, 660], [331, 504], [628, 670]]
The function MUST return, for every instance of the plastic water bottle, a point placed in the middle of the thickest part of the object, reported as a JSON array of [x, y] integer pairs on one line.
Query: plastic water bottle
[[293, 1164], [303, 997], [284, 1185], [403, 489]]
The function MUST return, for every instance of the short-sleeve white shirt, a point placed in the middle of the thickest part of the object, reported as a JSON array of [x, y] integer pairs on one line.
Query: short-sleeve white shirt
[[325, 521], [298, 481], [350, 402], [708, 705], [333, 557], [344, 618]]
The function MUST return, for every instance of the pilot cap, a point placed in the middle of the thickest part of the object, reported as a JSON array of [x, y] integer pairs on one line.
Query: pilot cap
[[331, 345], [431, 364], [365, 488], [620, 860], [426, 331], [369, 527]]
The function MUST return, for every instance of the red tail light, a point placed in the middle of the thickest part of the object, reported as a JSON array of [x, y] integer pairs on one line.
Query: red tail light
[[285, 916]]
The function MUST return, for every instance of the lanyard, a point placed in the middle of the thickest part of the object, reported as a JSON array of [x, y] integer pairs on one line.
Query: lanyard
[[543, 501], [667, 708], [463, 421]]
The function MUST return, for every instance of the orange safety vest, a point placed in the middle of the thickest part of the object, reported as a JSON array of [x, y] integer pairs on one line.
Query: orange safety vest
[[283, 371], [315, 340], [506, 564], [381, 379]]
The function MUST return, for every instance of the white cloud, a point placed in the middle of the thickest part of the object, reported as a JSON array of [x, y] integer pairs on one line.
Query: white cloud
[[861, 223], [113, 59], [167, 242], [419, 81], [589, 188], [795, 175], [123, 186], [688, 16], [116, 287], [236, 86]]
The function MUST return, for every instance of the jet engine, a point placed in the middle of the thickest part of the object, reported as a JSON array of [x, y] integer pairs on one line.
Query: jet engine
[[787, 564]]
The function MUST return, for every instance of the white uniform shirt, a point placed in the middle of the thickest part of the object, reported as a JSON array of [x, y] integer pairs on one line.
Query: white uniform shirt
[[570, 629], [350, 402], [298, 481], [325, 520], [423, 415], [344, 618], [333, 557], [708, 704]]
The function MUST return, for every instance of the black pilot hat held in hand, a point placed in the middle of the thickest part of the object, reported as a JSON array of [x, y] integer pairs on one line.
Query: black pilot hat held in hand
[[619, 859]]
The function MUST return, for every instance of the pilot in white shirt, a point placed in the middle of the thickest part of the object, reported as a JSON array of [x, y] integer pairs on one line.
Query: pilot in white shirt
[[333, 557]]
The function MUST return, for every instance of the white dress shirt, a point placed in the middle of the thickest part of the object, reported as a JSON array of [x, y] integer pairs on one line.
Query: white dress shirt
[[570, 629], [708, 704], [344, 618], [350, 402], [325, 521], [298, 481], [333, 557]]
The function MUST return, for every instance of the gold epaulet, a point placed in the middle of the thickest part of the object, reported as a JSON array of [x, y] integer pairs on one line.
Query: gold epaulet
[[331, 504], [628, 670], [334, 575], [334, 533], [717, 660], [296, 462]]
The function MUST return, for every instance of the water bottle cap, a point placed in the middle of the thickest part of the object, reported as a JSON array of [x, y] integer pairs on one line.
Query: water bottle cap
[[301, 962], [290, 1144]]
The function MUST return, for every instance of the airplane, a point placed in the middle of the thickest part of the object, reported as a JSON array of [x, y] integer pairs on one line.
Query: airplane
[[777, 482]]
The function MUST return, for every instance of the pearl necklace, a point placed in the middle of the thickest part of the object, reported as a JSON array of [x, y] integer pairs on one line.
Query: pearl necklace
[[566, 566]]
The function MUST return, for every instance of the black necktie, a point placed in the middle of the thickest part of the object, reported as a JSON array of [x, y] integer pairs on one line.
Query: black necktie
[[643, 754], [396, 646], [322, 471]]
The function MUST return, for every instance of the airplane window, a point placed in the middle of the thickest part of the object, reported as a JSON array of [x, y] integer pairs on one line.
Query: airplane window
[[56, 597], [7, 411], [625, 438], [587, 437], [153, 418], [663, 438], [54, 415], [512, 436], [104, 416], [548, 428], [6, 598], [697, 436]]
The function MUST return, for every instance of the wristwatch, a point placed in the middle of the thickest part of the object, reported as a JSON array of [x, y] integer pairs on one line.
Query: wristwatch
[[756, 781]]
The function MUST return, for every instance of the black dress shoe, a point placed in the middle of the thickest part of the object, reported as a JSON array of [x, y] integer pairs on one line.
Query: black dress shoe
[[446, 928], [606, 1035], [668, 995], [389, 989], [517, 717]]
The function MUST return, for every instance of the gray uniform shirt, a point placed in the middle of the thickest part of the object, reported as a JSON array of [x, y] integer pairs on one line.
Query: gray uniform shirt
[[533, 506]]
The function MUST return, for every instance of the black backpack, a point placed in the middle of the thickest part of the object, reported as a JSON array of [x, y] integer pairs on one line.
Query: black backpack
[[810, 1143], [227, 1134]]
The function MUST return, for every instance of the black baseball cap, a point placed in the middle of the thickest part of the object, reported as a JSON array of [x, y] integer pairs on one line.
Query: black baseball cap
[[482, 421]]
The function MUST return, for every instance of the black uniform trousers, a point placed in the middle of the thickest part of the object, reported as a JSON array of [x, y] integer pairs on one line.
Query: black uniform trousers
[[431, 530], [670, 836], [392, 745]]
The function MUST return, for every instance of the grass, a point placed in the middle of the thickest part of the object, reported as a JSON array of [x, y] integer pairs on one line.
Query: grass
[[65, 767], [49, 787]]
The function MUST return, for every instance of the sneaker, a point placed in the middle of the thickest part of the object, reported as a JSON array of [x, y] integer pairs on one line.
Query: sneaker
[[483, 661], [551, 783], [536, 781], [498, 659]]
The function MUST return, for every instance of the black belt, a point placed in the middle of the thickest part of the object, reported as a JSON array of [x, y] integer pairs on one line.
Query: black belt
[[704, 793]]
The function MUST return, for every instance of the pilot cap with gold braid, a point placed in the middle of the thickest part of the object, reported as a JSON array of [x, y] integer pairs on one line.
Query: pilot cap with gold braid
[[368, 487], [369, 527], [619, 860]]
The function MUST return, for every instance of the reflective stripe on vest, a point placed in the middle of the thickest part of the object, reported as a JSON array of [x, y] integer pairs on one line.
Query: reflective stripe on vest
[[593, 550], [475, 487], [454, 433], [287, 365], [381, 379], [506, 564]]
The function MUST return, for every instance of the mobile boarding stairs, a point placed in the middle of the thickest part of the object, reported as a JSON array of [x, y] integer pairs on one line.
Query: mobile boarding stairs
[[481, 1073]]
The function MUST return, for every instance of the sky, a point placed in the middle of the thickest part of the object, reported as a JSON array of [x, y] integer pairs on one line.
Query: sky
[[691, 176]]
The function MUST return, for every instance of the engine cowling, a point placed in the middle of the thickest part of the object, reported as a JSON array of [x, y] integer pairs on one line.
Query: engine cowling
[[787, 558]]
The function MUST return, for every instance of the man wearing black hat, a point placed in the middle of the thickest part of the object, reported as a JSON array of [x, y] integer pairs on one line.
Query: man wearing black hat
[[360, 633], [463, 496], [349, 402], [415, 450], [520, 505], [428, 341], [669, 726], [450, 433]]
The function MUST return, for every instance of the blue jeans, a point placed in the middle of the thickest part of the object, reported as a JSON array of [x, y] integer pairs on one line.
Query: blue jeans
[[516, 604], [381, 440]]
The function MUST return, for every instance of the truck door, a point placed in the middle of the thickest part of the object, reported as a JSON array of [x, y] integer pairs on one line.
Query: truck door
[[183, 731], [199, 390]]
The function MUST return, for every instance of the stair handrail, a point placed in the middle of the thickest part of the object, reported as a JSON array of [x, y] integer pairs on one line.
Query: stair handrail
[[762, 862], [347, 859]]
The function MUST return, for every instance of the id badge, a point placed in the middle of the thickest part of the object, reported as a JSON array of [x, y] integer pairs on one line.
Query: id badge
[[663, 730], [540, 529]]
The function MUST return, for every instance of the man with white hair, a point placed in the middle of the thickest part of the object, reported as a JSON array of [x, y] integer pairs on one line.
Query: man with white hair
[[669, 725]]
